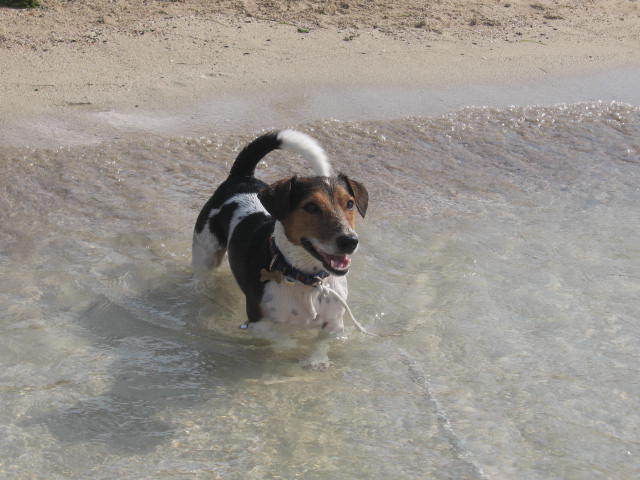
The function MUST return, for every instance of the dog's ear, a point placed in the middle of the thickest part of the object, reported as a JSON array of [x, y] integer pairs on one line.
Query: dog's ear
[[359, 193], [276, 197]]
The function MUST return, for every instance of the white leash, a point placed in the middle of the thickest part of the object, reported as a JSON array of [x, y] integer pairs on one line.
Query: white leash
[[325, 289]]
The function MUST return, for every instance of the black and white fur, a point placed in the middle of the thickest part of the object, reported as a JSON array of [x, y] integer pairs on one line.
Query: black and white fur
[[235, 221]]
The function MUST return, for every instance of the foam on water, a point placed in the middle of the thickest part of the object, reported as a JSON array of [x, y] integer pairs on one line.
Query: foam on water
[[499, 263]]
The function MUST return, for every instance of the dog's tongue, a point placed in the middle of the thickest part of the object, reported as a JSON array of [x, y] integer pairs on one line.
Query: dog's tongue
[[339, 262]]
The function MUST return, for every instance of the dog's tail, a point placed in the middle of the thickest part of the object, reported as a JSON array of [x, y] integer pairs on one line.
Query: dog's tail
[[292, 140]]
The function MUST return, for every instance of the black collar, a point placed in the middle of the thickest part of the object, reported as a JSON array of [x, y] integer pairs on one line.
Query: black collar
[[289, 272]]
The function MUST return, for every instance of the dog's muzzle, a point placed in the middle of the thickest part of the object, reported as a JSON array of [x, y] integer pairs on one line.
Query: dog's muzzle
[[347, 243]]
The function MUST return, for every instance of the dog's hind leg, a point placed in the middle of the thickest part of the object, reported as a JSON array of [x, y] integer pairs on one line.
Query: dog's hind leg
[[206, 251], [208, 248]]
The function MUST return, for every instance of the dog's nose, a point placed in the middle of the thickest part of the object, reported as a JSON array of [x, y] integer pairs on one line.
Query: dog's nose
[[347, 243]]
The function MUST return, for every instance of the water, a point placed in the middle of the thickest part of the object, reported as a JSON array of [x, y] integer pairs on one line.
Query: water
[[500, 263]]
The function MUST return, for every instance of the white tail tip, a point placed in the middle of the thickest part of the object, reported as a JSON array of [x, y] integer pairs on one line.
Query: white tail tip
[[309, 148]]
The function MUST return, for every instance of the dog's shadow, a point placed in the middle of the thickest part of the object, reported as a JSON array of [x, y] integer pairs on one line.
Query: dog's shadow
[[169, 348]]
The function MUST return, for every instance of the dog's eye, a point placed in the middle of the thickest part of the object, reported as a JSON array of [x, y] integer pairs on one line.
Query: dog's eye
[[311, 208], [350, 204]]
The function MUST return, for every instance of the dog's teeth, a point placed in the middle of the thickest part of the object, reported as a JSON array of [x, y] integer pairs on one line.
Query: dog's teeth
[[340, 263]]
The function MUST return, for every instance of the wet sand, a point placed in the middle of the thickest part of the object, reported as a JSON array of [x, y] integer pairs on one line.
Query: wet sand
[[68, 70]]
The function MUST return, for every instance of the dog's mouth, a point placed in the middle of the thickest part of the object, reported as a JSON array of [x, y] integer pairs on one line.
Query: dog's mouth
[[336, 264]]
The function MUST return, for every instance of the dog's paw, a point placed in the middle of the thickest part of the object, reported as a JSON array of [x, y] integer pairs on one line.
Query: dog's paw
[[316, 363]]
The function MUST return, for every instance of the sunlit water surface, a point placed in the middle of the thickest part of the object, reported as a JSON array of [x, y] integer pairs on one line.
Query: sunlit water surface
[[500, 265]]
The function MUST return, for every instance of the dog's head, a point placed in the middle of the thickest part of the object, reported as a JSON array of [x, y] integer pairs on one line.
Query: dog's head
[[318, 214]]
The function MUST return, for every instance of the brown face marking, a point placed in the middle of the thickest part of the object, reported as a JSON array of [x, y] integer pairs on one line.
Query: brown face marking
[[332, 201], [321, 225], [341, 199]]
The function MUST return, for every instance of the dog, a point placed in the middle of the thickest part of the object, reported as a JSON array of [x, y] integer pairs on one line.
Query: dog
[[289, 243]]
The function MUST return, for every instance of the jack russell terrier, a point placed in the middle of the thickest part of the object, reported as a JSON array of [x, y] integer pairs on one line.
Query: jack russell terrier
[[289, 243]]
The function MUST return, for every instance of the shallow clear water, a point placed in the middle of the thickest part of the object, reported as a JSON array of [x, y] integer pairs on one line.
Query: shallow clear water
[[500, 263]]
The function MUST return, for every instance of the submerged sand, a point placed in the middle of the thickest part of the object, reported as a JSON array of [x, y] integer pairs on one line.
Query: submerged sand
[[131, 56]]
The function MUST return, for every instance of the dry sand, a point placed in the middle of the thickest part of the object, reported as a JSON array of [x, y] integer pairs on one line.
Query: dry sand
[[130, 55]]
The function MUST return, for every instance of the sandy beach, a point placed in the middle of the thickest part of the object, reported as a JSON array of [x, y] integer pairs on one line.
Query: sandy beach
[[66, 58]]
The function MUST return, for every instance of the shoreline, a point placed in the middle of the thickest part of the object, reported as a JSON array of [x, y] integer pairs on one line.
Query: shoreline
[[232, 113], [179, 71]]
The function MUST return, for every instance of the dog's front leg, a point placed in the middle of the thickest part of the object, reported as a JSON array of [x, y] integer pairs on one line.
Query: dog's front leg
[[267, 330], [318, 358]]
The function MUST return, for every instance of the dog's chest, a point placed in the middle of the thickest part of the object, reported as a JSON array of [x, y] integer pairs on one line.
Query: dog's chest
[[302, 306]]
